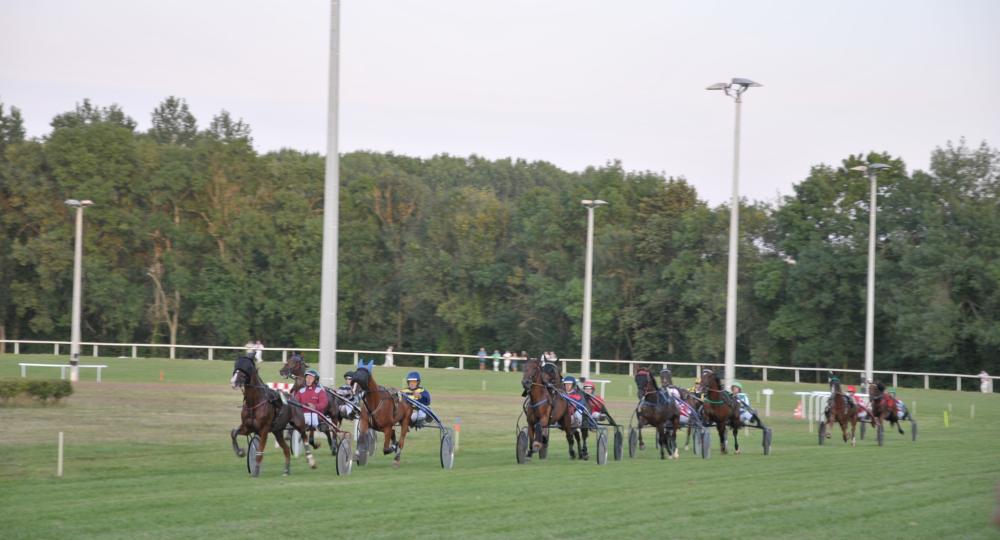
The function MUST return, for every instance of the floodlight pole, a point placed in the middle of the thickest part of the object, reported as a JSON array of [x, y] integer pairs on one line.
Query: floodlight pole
[[587, 279], [871, 170], [74, 347], [735, 90], [331, 214]]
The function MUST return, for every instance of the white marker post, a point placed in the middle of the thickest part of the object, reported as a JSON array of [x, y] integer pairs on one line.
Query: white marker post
[[59, 463], [767, 401]]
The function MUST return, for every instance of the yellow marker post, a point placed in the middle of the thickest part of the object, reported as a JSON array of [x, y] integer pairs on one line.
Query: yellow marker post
[[945, 418]]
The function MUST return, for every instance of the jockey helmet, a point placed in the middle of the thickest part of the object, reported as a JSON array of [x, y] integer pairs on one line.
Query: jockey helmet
[[892, 390], [569, 379], [851, 388], [737, 384], [413, 376], [587, 385], [348, 374], [312, 372]]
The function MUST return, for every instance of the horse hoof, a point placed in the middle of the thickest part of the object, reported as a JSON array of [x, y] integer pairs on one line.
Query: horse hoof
[[738, 452], [642, 446], [395, 464], [241, 453]]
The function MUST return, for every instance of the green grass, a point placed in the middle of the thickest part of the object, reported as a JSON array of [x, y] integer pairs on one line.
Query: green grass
[[151, 459]]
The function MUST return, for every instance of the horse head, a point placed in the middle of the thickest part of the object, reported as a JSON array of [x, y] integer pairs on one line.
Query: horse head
[[666, 377], [532, 373], [644, 380], [550, 375], [360, 379], [709, 380], [834, 385], [244, 372], [295, 367]]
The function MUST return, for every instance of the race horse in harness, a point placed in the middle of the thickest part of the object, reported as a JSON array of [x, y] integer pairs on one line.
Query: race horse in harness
[[884, 406], [841, 409], [381, 410], [719, 407], [264, 412], [545, 406], [658, 408], [295, 369]]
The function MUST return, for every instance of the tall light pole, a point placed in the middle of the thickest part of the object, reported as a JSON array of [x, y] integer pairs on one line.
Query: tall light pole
[[74, 347], [733, 89], [871, 169], [331, 212], [588, 277]]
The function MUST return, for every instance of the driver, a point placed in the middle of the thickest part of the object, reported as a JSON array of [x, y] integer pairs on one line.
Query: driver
[[596, 403], [746, 411], [569, 385], [314, 396], [901, 411], [417, 393], [347, 391], [859, 401]]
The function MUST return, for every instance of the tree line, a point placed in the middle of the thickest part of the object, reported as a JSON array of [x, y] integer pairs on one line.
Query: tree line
[[195, 237]]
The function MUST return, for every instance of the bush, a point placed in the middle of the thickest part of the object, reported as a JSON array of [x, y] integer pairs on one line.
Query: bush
[[42, 390]]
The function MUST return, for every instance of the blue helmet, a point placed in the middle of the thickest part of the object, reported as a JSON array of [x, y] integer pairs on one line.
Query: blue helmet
[[569, 379], [413, 376]]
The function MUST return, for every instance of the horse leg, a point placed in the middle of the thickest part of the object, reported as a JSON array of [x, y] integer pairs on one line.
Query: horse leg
[[404, 427], [242, 430], [642, 445], [854, 425], [736, 439], [661, 438], [687, 439], [721, 426], [279, 437], [389, 445], [673, 436], [260, 453], [570, 432], [531, 437]]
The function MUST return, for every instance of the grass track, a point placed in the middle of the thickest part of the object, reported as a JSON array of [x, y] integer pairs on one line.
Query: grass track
[[151, 459]]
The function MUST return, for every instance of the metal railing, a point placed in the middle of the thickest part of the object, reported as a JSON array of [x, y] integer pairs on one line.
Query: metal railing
[[458, 360]]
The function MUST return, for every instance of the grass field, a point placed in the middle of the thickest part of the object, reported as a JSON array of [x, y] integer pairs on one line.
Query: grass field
[[151, 459]]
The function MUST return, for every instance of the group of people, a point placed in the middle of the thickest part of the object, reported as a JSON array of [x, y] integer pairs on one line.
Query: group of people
[[508, 361], [255, 350], [592, 403]]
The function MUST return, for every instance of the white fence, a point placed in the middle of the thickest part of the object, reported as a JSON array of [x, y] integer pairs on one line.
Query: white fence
[[459, 360]]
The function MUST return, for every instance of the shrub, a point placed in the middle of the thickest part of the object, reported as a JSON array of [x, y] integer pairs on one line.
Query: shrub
[[42, 390]]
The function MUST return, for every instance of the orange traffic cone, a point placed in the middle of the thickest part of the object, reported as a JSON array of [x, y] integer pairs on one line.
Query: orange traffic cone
[[798, 411]]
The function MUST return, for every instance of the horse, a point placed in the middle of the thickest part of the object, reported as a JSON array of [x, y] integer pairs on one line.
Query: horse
[[841, 409], [883, 406], [295, 368], [660, 412], [264, 412], [720, 407], [691, 399], [545, 406], [381, 410]]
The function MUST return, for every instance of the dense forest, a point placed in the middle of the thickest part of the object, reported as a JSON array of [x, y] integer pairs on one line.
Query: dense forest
[[197, 238]]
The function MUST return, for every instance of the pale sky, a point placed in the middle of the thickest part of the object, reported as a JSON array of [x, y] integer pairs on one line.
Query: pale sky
[[576, 83]]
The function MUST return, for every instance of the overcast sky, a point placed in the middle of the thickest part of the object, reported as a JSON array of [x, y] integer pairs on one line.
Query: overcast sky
[[576, 83]]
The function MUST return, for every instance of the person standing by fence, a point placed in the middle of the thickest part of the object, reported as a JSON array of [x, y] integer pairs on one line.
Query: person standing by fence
[[258, 351], [985, 382], [482, 358], [388, 358], [496, 359]]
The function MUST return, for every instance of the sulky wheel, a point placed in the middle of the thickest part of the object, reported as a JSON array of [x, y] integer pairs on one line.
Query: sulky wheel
[[767, 441], [881, 434], [913, 429], [447, 450], [344, 462], [521, 451], [253, 448], [618, 444], [822, 432], [602, 448], [633, 441]]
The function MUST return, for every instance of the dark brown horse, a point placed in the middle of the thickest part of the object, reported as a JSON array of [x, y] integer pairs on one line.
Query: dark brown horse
[[657, 408], [544, 406], [382, 409], [294, 368], [883, 406], [264, 412], [841, 409], [691, 399], [719, 407]]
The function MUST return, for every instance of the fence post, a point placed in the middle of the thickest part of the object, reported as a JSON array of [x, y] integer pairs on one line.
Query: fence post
[[598, 368], [563, 366], [211, 353], [17, 347], [927, 383], [765, 380], [172, 352], [697, 372], [95, 351], [55, 349], [461, 362], [895, 380], [797, 376], [427, 361], [631, 370], [355, 358], [958, 384], [135, 351], [284, 356]]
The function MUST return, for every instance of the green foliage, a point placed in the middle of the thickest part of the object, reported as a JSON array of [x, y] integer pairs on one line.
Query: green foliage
[[44, 390], [197, 238]]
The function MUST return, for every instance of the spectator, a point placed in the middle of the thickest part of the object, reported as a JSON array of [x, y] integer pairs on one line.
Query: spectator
[[507, 355], [250, 348], [496, 359], [388, 357], [482, 358], [985, 382], [519, 360], [258, 351]]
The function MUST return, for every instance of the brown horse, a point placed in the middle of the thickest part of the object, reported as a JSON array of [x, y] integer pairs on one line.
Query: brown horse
[[544, 406], [657, 408], [689, 398], [294, 368], [883, 406], [720, 407], [841, 409], [381, 410], [264, 412]]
